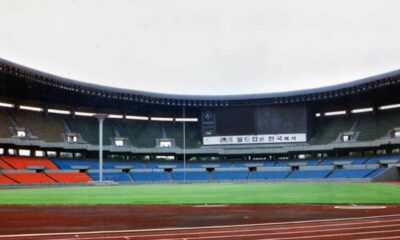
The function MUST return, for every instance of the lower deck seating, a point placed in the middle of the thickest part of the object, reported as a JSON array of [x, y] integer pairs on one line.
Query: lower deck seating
[[5, 165], [111, 176], [94, 164], [21, 163], [229, 175], [14, 170], [150, 176], [376, 172], [68, 177], [6, 180], [29, 178], [271, 175], [309, 174], [350, 173], [190, 176]]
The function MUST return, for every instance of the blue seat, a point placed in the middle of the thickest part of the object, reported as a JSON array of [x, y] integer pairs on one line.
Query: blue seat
[[269, 175], [350, 173], [114, 176], [191, 176], [309, 174], [229, 175], [150, 176]]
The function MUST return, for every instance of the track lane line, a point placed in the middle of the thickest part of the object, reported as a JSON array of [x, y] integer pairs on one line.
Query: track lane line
[[197, 228], [333, 235], [380, 238], [240, 235], [252, 229]]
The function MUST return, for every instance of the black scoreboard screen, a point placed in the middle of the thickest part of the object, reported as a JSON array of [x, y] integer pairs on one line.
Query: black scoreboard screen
[[266, 124]]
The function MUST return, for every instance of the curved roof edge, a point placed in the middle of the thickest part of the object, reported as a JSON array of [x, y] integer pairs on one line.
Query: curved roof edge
[[255, 96]]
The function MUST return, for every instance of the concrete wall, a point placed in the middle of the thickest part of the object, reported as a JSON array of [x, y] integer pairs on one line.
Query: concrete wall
[[392, 174]]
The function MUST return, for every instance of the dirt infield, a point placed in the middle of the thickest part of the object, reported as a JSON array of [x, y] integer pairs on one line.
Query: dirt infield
[[128, 218]]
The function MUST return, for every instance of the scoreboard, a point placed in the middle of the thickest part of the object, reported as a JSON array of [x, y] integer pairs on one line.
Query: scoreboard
[[250, 125]]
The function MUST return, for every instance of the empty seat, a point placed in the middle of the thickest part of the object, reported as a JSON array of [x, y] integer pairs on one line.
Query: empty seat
[[229, 175], [111, 176], [6, 180], [68, 177], [29, 178], [191, 176], [150, 176], [309, 174], [21, 163], [350, 173], [269, 175]]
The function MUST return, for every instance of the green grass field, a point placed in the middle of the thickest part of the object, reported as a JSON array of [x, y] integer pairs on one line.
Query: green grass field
[[216, 193]]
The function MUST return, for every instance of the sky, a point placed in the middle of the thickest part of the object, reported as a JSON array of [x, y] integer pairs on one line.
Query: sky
[[208, 47]]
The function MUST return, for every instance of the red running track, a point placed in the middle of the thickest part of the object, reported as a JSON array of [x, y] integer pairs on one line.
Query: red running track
[[367, 228]]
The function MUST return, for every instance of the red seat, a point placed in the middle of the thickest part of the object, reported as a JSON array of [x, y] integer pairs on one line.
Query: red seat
[[4, 165], [21, 163], [6, 180], [29, 177], [69, 177]]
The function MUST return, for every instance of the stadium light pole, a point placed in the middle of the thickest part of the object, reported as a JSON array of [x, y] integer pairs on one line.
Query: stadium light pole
[[101, 118], [184, 144]]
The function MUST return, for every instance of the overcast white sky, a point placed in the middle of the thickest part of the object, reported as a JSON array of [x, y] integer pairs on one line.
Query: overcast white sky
[[204, 47]]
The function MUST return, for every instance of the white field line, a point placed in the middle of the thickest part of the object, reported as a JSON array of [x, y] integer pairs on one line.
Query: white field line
[[197, 228], [243, 235]]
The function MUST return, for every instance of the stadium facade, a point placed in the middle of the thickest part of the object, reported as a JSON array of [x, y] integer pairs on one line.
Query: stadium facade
[[43, 115]]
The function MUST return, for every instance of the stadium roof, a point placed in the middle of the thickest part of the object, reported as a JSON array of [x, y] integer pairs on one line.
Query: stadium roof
[[357, 86]]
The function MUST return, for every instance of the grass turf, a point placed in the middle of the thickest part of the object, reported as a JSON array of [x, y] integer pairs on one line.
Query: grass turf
[[218, 193]]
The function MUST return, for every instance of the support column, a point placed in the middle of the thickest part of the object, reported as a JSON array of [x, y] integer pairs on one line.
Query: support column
[[101, 118]]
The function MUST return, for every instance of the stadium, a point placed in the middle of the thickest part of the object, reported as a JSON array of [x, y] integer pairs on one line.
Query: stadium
[[194, 166]]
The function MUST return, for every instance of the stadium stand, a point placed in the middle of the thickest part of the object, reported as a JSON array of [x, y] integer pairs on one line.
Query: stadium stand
[[6, 180], [5, 165], [269, 175], [22, 163], [39, 125], [308, 174], [193, 134], [201, 175], [227, 138], [111, 176], [150, 176], [375, 127], [350, 173], [4, 125], [230, 175], [328, 129], [69, 177], [22, 170], [88, 129], [29, 177]]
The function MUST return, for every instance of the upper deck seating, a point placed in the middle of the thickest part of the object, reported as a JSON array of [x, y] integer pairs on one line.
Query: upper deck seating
[[373, 127], [40, 124], [329, 128], [4, 126]]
